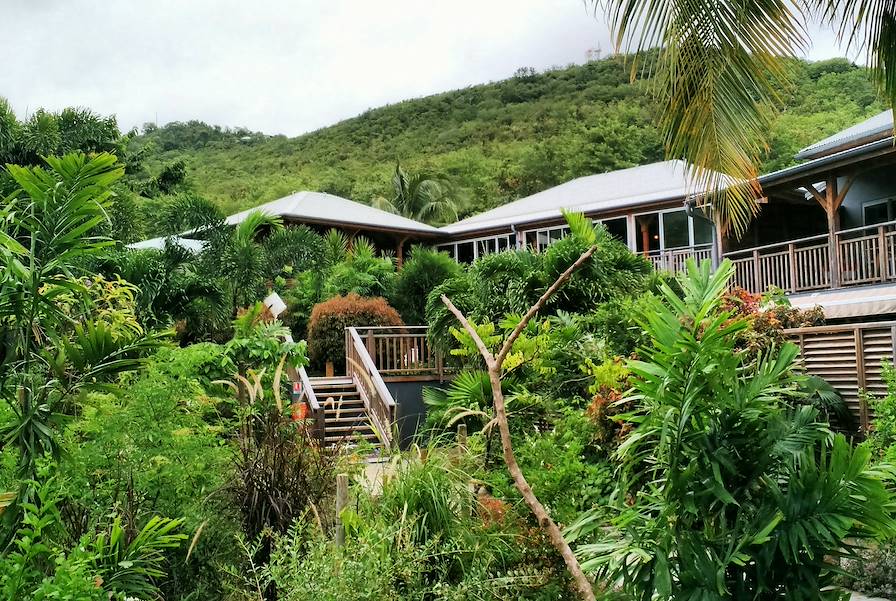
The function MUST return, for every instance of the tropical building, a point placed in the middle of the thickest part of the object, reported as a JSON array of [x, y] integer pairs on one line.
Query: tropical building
[[825, 236]]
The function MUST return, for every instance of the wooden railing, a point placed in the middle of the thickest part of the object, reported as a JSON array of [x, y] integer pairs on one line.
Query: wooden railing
[[373, 391], [401, 351], [674, 260], [305, 393], [854, 257]]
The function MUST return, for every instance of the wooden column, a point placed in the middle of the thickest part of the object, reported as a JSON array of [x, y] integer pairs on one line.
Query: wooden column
[[645, 236], [830, 201], [399, 251], [833, 214]]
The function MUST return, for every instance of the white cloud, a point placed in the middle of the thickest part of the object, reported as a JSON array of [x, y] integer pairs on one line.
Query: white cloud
[[279, 66]]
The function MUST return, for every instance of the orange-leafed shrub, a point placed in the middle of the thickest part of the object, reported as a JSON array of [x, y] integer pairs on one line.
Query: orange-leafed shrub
[[326, 326]]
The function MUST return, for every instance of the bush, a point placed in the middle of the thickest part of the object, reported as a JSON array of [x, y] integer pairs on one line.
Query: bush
[[424, 270], [326, 328]]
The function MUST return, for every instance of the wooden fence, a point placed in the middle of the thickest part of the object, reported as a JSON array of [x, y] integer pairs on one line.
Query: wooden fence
[[849, 357]]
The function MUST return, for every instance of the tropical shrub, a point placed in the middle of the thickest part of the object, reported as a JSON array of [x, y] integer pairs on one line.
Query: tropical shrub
[[424, 270], [424, 536], [326, 328], [159, 449], [718, 468], [361, 272]]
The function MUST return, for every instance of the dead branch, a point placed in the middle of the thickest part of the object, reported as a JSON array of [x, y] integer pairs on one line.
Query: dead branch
[[494, 365]]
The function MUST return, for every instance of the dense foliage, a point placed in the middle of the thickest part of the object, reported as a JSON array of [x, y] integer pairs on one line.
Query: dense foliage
[[495, 142]]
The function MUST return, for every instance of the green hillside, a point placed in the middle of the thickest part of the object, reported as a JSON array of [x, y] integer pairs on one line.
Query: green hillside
[[496, 141]]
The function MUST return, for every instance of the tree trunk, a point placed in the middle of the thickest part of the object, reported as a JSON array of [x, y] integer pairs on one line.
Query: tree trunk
[[495, 363]]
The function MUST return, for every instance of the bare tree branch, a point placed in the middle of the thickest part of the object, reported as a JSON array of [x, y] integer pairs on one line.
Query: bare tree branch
[[495, 364], [539, 304]]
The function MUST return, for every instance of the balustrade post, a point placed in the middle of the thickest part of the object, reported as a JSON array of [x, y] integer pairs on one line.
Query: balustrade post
[[757, 273], [834, 258], [882, 251], [371, 348], [791, 255]]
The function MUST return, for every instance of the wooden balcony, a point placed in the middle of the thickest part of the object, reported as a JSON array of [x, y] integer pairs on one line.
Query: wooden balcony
[[848, 258]]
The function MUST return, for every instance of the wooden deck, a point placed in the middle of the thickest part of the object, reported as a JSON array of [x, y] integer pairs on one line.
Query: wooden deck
[[853, 257]]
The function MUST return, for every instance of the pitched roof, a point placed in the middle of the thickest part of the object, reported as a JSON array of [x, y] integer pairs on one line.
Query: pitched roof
[[646, 184], [877, 127], [189, 244], [328, 209]]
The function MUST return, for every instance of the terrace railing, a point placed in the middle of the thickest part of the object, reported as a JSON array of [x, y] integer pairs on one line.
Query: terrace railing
[[674, 260], [403, 351], [853, 257], [373, 391]]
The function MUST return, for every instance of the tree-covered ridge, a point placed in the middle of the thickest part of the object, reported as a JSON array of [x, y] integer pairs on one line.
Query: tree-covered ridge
[[498, 141]]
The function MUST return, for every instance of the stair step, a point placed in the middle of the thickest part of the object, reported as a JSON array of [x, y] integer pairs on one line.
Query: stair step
[[336, 381], [364, 435]]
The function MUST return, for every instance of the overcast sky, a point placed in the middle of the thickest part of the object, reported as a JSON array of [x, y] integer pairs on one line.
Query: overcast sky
[[279, 66]]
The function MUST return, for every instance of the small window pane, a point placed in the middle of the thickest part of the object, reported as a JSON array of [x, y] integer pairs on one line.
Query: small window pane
[[503, 243], [465, 252], [511, 241], [448, 248], [486, 247], [543, 240], [703, 230], [876, 213], [556, 234], [618, 228], [531, 240], [675, 229]]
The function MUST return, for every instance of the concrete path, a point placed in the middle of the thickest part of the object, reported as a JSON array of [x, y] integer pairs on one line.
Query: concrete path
[[861, 597]]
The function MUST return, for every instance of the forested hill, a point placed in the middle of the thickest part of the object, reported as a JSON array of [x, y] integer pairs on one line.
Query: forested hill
[[496, 141]]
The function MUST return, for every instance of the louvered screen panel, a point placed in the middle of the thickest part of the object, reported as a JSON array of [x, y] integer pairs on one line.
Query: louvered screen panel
[[850, 358], [878, 346], [832, 356]]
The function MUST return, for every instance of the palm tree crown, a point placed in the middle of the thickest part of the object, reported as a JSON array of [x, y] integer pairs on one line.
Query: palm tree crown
[[721, 70], [420, 196]]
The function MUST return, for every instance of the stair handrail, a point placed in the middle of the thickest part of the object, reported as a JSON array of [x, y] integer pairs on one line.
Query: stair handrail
[[316, 412], [373, 390]]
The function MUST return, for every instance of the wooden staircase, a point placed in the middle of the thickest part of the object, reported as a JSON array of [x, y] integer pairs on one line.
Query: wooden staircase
[[345, 416]]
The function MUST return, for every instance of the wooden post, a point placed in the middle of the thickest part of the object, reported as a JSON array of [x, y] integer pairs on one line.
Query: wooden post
[[341, 502], [399, 251], [371, 350], [757, 274], [884, 260], [462, 436], [831, 209], [791, 255]]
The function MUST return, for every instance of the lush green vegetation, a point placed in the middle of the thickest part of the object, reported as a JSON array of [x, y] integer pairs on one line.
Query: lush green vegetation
[[495, 142], [149, 445]]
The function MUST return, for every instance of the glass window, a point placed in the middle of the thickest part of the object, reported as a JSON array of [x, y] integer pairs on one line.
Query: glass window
[[703, 230], [511, 241], [675, 229], [618, 228], [543, 240], [502, 243], [464, 252], [532, 240], [448, 248], [648, 234], [486, 247], [877, 212], [556, 234]]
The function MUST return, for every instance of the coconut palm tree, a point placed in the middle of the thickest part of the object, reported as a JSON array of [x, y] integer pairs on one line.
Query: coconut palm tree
[[420, 196], [719, 75]]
